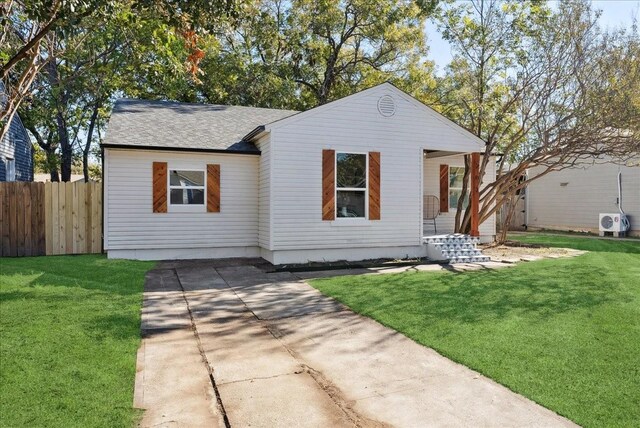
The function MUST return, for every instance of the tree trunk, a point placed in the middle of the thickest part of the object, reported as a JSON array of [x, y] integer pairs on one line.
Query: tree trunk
[[49, 151], [85, 165], [463, 194], [87, 146], [510, 204], [66, 151], [53, 169], [65, 147]]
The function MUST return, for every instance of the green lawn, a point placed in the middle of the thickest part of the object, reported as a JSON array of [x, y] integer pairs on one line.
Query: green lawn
[[565, 333], [70, 328], [579, 242]]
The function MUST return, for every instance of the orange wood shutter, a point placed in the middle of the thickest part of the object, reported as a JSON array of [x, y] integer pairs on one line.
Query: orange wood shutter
[[444, 188], [160, 187], [328, 185], [213, 188], [374, 185]]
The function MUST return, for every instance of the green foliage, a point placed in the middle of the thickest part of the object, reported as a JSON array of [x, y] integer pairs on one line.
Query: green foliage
[[92, 63], [490, 41], [542, 87], [564, 333], [526, 78], [299, 54], [70, 332]]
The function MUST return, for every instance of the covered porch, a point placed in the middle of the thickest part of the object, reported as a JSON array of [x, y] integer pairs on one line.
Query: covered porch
[[442, 178]]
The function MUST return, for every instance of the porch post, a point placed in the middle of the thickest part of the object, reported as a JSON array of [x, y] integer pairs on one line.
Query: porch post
[[475, 193]]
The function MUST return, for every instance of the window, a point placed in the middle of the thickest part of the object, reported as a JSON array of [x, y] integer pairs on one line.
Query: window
[[10, 169], [351, 185], [186, 187], [456, 178]]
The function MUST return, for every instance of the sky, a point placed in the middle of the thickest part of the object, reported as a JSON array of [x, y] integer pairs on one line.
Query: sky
[[615, 13]]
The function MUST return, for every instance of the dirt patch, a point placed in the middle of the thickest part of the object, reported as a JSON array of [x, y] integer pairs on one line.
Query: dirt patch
[[513, 252]]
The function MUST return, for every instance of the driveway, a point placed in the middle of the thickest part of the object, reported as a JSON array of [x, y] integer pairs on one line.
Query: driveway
[[227, 344]]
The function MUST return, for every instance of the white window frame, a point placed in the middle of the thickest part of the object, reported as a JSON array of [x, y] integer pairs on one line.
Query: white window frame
[[358, 189], [187, 207], [10, 169], [454, 188]]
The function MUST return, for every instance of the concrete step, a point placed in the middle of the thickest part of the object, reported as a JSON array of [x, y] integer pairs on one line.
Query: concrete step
[[454, 248], [469, 259], [449, 247], [461, 253], [454, 238]]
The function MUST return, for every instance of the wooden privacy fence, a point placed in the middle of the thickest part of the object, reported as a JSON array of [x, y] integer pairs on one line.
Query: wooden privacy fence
[[50, 218]]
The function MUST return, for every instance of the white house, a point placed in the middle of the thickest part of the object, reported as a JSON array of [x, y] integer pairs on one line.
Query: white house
[[343, 181], [573, 198]]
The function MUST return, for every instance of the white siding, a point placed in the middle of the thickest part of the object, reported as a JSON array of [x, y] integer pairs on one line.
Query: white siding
[[130, 223], [264, 192], [355, 125], [589, 191], [445, 221]]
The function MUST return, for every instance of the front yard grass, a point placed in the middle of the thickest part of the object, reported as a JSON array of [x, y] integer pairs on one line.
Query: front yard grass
[[70, 328], [565, 333]]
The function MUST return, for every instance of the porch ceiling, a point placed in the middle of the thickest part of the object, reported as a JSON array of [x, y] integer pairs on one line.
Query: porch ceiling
[[430, 154]]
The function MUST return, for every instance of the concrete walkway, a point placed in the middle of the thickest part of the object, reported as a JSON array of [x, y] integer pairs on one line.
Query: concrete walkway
[[226, 344]]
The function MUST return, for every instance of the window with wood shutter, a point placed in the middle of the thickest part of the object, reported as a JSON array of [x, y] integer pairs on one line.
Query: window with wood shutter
[[184, 190], [159, 187], [213, 188], [186, 187], [444, 188], [351, 185], [328, 185], [374, 185]]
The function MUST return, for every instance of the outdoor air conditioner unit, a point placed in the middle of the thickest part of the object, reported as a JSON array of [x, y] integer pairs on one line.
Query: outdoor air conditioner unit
[[613, 223]]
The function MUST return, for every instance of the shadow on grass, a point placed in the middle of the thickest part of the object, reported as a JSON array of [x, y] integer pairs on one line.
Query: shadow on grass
[[115, 326], [540, 290], [89, 272], [579, 243]]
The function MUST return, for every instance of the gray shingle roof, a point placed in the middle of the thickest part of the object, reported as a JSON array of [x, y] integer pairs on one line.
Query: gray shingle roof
[[164, 124]]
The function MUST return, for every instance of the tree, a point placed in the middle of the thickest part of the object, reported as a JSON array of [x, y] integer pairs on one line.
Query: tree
[[25, 25], [135, 52], [86, 67], [541, 88], [303, 53]]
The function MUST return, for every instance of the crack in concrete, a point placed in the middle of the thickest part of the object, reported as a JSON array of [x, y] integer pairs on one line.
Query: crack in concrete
[[334, 393], [263, 377], [343, 404], [203, 355]]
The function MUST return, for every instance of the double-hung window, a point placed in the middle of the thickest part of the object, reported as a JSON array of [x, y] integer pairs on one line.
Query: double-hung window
[[186, 187], [456, 178], [351, 185]]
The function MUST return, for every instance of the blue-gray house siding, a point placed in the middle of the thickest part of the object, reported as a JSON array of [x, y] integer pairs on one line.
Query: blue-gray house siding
[[17, 146]]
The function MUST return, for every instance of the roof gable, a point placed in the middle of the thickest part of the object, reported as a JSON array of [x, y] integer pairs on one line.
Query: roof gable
[[475, 143]]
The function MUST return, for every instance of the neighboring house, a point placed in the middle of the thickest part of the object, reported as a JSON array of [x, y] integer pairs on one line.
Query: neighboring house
[[572, 199], [345, 180], [16, 158]]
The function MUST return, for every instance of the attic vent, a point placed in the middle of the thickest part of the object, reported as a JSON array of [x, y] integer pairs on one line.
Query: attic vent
[[386, 106]]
